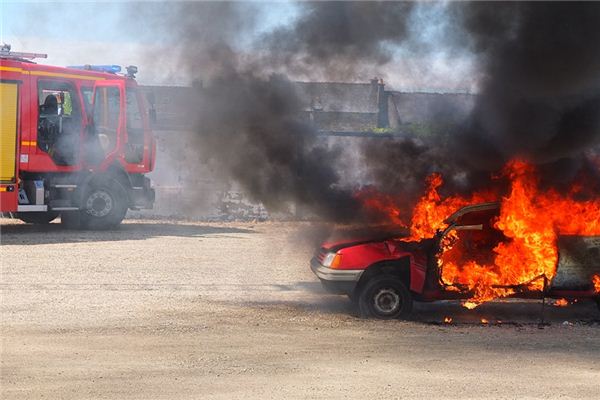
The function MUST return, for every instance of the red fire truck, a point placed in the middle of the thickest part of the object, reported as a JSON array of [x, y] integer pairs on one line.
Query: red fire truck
[[74, 142]]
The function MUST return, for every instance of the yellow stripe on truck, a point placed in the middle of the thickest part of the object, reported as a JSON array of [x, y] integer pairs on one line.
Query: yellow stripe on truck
[[11, 69], [31, 143], [69, 76], [52, 74], [8, 130]]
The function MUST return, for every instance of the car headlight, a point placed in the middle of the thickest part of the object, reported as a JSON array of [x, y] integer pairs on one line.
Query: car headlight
[[332, 260]]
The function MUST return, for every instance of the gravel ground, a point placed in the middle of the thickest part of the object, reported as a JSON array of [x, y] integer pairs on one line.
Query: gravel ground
[[172, 310]]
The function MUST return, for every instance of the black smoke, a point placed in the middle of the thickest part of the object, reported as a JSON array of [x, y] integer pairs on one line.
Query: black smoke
[[339, 38], [251, 131], [251, 126], [539, 95]]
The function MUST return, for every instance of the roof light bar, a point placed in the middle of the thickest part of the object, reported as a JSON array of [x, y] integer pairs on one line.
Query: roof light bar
[[111, 69]]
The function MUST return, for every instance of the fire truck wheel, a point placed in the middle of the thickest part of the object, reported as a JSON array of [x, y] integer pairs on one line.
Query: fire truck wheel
[[70, 219], [39, 218], [104, 206], [385, 297]]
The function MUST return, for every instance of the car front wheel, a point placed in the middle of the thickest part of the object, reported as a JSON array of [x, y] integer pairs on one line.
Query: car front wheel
[[385, 297]]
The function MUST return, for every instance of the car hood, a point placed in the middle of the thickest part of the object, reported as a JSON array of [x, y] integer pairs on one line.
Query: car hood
[[335, 244]]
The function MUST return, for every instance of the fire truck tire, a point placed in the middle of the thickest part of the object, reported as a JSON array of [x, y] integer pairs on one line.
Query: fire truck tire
[[104, 205], [385, 297], [38, 218], [70, 219]]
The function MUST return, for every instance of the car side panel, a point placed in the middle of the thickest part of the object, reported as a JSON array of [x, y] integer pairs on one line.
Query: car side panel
[[364, 255], [368, 254]]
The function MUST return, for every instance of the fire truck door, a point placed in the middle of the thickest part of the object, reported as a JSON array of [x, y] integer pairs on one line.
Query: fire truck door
[[106, 132], [9, 95]]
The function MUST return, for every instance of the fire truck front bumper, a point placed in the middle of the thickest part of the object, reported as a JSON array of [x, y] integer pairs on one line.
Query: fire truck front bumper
[[337, 281]]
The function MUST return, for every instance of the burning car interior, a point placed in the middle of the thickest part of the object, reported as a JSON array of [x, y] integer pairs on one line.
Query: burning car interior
[[458, 248]]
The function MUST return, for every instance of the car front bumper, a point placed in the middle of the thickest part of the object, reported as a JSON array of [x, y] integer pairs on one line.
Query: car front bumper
[[337, 281]]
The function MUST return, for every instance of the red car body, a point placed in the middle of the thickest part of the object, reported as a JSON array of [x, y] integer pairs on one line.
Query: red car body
[[411, 268]]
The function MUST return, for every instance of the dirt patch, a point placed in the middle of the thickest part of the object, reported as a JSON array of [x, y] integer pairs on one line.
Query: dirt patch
[[164, 310]]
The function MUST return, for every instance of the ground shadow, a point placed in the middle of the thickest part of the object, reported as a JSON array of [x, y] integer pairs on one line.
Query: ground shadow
[[26, 234], [515, 312]]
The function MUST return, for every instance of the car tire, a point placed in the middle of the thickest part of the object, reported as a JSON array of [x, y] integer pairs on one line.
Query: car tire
[[38, 218], [103, 206], [385, 297], [353, 299]]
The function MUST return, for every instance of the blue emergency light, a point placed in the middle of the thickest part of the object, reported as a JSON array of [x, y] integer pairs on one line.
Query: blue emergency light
[[111, 69]]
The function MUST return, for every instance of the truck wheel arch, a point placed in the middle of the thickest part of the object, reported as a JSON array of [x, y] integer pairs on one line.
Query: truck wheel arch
[[114, 172]]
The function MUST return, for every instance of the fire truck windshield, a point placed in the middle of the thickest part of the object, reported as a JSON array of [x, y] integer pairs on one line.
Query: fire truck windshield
[[106, 117]]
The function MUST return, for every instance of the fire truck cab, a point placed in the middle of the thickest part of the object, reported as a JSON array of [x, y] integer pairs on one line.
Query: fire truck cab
[[74, 142]]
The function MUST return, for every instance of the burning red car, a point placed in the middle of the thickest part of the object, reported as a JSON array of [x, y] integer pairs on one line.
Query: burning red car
[[384, 277]]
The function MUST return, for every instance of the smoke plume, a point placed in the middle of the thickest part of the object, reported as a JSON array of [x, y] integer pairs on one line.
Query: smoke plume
[[251, 131], [540, 98], [539, 93], [336, 40]]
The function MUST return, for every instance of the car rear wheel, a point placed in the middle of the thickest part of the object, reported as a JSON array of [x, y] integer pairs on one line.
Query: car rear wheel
[[385, 297]]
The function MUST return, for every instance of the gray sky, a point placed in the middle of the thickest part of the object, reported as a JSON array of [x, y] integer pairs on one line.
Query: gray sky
[[75, 33]]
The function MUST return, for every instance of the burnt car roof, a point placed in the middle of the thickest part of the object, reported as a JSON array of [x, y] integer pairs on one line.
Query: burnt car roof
[[470, 209]]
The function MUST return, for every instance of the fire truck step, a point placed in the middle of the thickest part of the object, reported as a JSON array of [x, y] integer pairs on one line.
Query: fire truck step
[[64, 186], [32, 208]]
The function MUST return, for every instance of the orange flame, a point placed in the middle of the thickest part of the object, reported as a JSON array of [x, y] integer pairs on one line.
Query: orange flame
[[596, 281], [431, 211], [484, 321], [447, 320], [561, 303], [530, 220], [385, 204]]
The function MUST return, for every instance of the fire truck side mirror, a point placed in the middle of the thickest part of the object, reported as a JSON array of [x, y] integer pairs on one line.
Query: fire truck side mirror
[[152, 110], [152, 116]]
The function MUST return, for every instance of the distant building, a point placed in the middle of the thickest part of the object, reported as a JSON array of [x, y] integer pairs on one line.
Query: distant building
[[334, 107]]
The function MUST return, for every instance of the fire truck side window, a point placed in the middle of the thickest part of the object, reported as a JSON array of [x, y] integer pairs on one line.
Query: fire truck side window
[[135, 128], [59, 121], [106, 117]]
